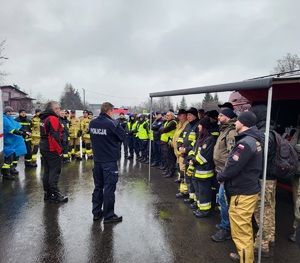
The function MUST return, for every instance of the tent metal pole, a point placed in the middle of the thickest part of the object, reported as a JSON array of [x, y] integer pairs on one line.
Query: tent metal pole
[[263, 187], [149, 154]]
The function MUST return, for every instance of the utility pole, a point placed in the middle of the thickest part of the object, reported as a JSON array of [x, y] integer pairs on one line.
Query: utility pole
[[83, 98]]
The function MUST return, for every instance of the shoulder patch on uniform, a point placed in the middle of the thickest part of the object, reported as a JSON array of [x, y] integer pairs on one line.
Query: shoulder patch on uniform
[[236, 157], [241, 146], [204, 146]]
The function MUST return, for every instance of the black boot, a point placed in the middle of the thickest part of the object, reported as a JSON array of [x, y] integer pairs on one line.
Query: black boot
[[13, 170], [6, 173], [46, 196], [56, 197], [30, 164]]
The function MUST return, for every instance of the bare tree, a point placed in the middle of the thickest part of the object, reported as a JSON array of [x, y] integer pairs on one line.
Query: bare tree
[[2, 58], [287, 63], [158, 104]]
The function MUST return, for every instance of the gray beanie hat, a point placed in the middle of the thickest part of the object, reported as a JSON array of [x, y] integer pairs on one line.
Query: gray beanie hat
[[247, 118], [7, 109]]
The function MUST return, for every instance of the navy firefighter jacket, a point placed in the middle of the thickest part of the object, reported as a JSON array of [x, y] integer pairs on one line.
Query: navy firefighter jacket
[[106, 134]]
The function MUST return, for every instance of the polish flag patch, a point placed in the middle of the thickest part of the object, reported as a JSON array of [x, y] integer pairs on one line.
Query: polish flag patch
[[236, 157], [241, 146]]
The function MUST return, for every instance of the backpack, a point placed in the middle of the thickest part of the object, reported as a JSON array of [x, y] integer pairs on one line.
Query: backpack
[[284, 163]]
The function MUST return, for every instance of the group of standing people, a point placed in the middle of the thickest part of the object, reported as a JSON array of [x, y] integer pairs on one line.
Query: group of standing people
[[205, 150], [222, 151]]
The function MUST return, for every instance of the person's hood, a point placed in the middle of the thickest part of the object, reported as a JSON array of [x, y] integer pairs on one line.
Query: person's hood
[[45, 114], [260, 112], [253, 132]]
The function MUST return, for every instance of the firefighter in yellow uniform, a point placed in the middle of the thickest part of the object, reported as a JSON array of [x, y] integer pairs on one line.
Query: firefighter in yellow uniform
[[35, 134], [83, 120], [86, 139], [75, 134]]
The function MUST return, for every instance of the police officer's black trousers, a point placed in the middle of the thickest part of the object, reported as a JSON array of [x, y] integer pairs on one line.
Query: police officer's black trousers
[[157, 152], [52, 169], [105, 180]]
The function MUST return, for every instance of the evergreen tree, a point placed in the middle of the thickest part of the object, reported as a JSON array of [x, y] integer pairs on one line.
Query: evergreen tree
[[183, 104], [216, 97], [209, 102], [208, 97], [70, 99]]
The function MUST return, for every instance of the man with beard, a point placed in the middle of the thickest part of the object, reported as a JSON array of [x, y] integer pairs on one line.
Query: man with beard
[[224, 144]]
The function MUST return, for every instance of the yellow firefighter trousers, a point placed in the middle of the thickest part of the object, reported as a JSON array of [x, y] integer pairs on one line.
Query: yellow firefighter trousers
[[240, 213]]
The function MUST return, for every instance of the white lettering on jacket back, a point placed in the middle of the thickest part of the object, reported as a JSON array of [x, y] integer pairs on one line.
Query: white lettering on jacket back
[[98, 131]]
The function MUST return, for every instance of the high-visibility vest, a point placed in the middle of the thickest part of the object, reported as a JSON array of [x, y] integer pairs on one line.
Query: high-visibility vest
[[167, 137], [132, 126], [142, 132]]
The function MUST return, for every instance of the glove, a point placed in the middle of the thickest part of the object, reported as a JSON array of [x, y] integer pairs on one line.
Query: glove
[[17, 132], [79, 133]]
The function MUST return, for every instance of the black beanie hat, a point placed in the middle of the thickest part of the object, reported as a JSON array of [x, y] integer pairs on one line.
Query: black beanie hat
[[247, 118], [213, 114], [193, 111], [228, 113], [205, 122]]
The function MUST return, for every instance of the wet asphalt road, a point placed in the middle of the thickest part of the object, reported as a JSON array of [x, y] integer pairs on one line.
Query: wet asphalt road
[[156, 226]]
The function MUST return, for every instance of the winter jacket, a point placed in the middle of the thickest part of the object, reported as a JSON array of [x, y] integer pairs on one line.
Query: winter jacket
[[51, 132], [260, 112], [202, 157], [156, 125], [244, 164], [188, 137], [12, 143], [106, 134], [224, 144]]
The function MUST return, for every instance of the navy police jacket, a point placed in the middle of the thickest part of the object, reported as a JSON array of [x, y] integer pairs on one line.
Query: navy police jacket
[[106, 134], [244, 164]]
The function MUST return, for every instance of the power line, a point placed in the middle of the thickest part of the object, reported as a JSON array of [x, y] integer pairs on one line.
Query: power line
[[114, 96]]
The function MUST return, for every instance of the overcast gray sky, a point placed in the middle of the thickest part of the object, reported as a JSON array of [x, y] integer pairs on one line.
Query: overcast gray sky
[[122, 50]]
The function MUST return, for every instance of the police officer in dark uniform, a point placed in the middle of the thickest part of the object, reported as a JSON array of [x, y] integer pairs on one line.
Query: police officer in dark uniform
[[156, 125], [106, 135], [123, 121]]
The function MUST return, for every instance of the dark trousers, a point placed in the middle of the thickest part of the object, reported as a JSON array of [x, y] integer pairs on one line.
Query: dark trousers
[[203, 193], [105, 181], [157, 157], [52, 169], [132, 144], [125, 148], [169, 157], [144, 148], [28, 155]]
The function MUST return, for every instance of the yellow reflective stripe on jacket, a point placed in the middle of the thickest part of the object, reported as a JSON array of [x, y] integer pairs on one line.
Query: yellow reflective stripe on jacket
[[215, 133], [35, 134], [24, 123], [190, 170], [204, 174], [192, 152], [192, 136]]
